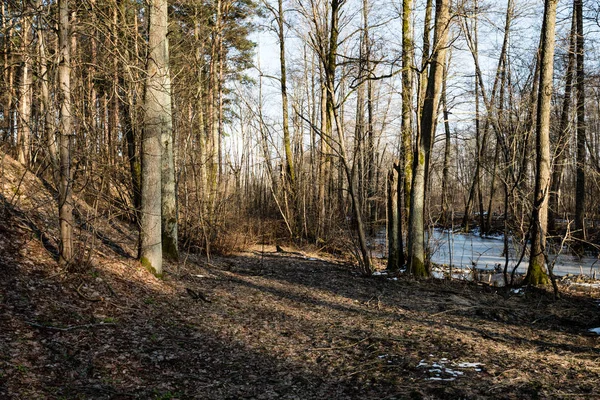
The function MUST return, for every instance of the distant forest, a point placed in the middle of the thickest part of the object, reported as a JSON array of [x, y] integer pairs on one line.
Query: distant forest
[[213, 125]]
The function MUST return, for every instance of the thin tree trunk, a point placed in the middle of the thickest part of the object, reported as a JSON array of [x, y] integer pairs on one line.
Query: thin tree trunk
[[23, 129], [393, 264], [170, 246], [425, 61], [65, 189], [580, 198], [45, 105], [350, 172], [289, 160], [447, 144], [563, 131]]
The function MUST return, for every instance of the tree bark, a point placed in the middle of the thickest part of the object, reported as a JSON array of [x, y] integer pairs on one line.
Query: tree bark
[[65, 189], [45, 105], [23, 129], [416, 236], [563, 131], [157, 123], [447, 144], [536, 273], [394, 249], [407, 100], [580, 198]]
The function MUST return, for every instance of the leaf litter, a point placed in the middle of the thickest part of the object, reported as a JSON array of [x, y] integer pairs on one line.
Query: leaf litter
[[276, 326]]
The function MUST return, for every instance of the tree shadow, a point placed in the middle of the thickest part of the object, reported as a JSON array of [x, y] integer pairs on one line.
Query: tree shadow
[[21, 218]]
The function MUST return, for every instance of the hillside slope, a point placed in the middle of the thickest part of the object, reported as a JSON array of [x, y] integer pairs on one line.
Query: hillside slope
[[263, 325]]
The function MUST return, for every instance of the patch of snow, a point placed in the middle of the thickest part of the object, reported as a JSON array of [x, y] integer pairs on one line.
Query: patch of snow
[[518, 291], [379, 273], [469, 365], [586, 284], [595, 330], [437, 378]]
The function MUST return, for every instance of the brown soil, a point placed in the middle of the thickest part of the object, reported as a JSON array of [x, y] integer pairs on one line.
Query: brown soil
[[268, 325]]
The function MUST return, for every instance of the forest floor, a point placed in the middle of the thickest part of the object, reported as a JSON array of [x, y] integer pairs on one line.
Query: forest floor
[[263, 324]]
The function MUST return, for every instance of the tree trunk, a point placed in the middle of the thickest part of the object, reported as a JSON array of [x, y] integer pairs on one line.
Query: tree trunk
[[157, 122], [46, 109], [580, 198], [65, 189], [446, 168], [563, 131], [289, 160], [416, 238], [23, 129], [407, 100], [393, 264], [330, 64], [536, 273]]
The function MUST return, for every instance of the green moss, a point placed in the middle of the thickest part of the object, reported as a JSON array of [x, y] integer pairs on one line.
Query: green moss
[[536, 275], [148, 265], [418, 268], [169, 244], [137, 170]]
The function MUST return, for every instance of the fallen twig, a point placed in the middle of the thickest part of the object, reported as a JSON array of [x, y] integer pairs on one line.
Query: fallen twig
[[85, 297], [68, 328], [338, 348]]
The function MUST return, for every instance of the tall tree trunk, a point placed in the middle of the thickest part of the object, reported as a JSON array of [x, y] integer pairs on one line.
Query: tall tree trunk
[[65, 189], [23, 129], [169, 194], [447, 144], [536, 274], [324, 162], [157, 122], [580, 198], [289, 159], [563, 131], [199, 112], [406, 125], [416, 238], [425, 62], [46, 109], [330, 64]]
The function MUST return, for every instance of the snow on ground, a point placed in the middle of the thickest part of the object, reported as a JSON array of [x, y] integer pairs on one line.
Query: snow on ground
[[446, 370]]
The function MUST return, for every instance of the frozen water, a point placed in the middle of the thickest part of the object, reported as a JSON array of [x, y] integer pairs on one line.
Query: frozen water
[[469, 250]]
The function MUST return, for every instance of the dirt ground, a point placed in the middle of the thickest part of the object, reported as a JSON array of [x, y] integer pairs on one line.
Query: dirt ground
[[280, 326], [264, 324]]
